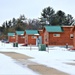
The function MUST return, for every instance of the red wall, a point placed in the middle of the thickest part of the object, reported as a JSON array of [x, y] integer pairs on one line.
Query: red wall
[[21, 39], [11, 38], [31, 40], [74, 38], [46, 38], [73, 30]]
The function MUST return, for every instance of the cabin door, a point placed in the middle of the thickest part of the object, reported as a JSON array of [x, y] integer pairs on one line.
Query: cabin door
[[46, 38], [38, 41]]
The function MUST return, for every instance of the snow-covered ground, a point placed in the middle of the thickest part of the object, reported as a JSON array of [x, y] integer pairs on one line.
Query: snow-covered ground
[[9, 67], [56, 57]]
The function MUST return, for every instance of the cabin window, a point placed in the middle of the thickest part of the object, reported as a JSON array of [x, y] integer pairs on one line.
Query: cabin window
[[22, 37], [34, 37], [56, 35], [71, 36], [13, 37]]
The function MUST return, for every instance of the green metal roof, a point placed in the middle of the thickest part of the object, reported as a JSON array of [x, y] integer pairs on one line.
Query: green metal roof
[[20, 32], [32, 32], [11, 34], [53, 28]]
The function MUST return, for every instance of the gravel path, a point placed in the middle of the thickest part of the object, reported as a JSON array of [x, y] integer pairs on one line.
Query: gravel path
[[38, 68]]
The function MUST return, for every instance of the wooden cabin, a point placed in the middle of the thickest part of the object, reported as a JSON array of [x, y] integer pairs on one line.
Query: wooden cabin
[[31, 37], [11, 37], [57, 35], [20, 37]]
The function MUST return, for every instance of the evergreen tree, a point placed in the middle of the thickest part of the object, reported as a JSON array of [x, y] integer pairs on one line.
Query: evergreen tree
[[14, 22], [60, 15], [6, 24], [47, 15], [3, 25], [69, 20], [9, 23]]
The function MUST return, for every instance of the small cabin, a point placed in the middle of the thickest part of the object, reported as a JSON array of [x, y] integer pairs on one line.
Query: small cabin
[[31, 37], [57, 35], [20, 37], [11, 37]]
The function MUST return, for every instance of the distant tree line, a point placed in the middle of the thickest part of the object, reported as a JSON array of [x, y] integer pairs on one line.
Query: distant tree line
[[48, 17], [19, 24]]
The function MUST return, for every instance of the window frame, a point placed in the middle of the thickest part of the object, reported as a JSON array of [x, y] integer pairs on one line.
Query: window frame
[[34, 37], [71, 36], [57, 35]]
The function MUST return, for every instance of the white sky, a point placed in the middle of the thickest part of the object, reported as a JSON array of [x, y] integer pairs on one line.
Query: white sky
[[32, 8]]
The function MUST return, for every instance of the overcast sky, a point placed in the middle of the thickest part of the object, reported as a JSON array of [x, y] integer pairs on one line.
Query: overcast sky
[[32, 8]]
